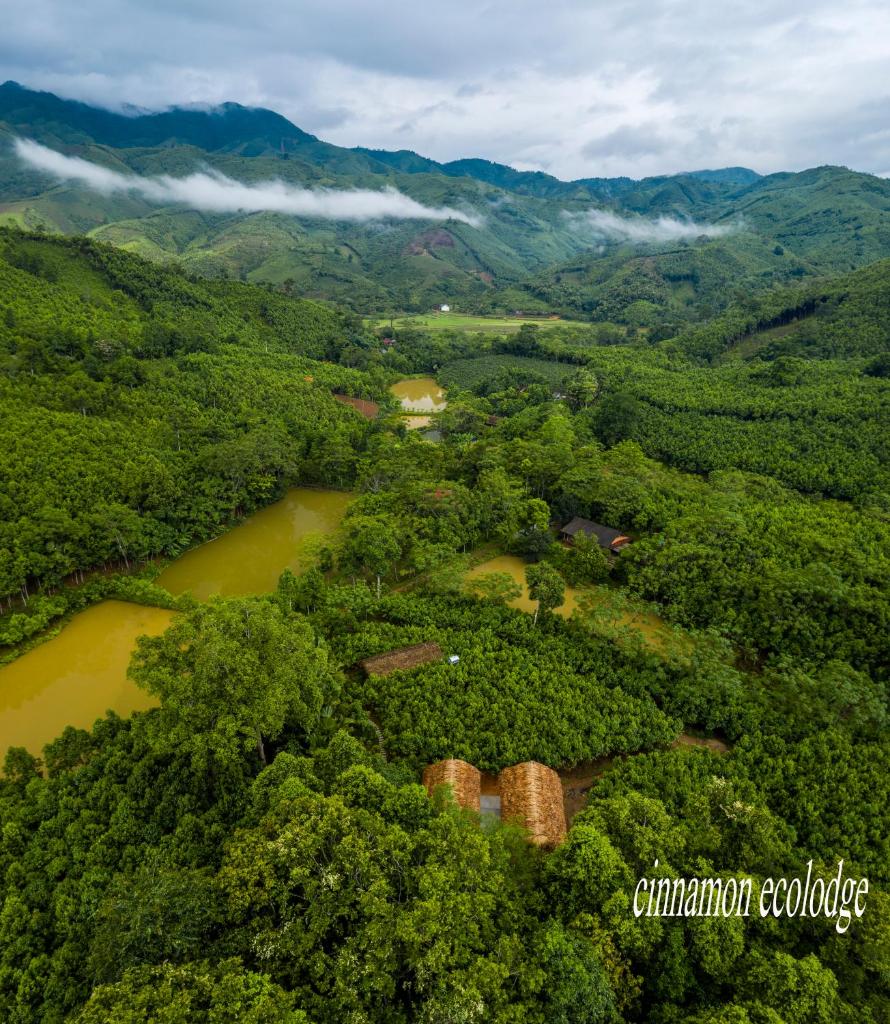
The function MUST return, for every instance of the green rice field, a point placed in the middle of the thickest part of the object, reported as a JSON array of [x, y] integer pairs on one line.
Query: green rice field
[[465, 322]]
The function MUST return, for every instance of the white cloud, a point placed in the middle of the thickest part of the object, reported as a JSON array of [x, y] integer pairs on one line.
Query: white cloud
[[215, 192], [605, 224]]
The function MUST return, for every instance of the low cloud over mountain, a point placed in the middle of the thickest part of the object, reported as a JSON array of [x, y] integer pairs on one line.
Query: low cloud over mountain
[[575, 88], [214, 192], [642, 229]]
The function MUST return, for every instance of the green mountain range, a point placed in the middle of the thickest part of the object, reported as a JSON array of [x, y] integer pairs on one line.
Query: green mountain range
[[540, 244]]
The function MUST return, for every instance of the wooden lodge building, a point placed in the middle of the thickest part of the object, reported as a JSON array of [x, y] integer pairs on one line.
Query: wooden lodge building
[[609, 539], [527, 794]]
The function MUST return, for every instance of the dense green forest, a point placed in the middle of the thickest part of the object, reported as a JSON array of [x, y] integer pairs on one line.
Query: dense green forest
[[258, 846], [137, 414]]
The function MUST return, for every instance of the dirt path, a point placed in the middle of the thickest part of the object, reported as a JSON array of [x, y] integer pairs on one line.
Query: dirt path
[[710, 743], [577, 783]]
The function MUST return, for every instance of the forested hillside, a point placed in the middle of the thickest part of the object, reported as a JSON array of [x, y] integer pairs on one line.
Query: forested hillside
[[661, 286], [843, 316], [781, 228], [408, 264], [143, 410]]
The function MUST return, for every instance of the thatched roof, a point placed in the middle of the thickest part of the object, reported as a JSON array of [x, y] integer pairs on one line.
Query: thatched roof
[[531, 795], [403, 657], [463, 778], [368, 409]]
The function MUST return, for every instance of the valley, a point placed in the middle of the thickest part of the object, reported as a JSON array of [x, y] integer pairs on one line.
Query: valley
[[464, 322]]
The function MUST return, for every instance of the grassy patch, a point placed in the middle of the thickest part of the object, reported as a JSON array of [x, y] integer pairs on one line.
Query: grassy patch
[[465, 322]]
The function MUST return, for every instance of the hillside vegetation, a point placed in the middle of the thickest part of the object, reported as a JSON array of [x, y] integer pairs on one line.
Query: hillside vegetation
[[848, 315], [143, 410]]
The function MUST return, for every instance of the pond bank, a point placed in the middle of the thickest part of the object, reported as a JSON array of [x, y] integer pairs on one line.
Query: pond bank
[[594, 601]]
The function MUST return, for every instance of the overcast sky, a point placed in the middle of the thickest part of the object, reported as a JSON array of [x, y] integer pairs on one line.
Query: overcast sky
[[575, 88]]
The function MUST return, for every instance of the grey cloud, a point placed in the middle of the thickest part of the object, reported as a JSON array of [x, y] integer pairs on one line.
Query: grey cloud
[[573, 84], [628, 141], [862, 137], [219, 194]]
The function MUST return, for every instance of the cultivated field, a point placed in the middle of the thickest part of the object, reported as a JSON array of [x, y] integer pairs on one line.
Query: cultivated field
[[466, 374], [464, 322]]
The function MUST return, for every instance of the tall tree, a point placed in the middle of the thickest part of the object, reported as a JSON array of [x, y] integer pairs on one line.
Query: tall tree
[[230, 675], [372, 546], [545, 586]]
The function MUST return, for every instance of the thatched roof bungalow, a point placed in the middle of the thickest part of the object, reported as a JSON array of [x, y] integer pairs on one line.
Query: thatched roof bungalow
[[531, 796], [465, 781], [401, 658]]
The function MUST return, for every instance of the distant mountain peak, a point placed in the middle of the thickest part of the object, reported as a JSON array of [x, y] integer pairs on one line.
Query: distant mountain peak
[[726, 175], [225, 126]]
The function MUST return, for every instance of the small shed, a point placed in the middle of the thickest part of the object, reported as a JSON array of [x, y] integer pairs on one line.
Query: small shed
[[607, 537], [401, 658], [367, 409], [465, 781], [531, 795]]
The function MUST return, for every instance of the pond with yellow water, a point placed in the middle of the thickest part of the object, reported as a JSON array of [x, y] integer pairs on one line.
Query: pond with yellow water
[[421, 395], [250, 558], [76, 676]]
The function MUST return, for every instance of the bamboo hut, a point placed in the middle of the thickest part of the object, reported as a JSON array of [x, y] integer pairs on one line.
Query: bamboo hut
[[464, 779], [401, 658], [531, 795]]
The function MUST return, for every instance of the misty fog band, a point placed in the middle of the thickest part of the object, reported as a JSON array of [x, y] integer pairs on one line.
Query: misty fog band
[[212, 191], [731, 897]]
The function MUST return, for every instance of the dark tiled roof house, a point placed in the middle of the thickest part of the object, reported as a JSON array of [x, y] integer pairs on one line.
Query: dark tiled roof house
[[608, 538]]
